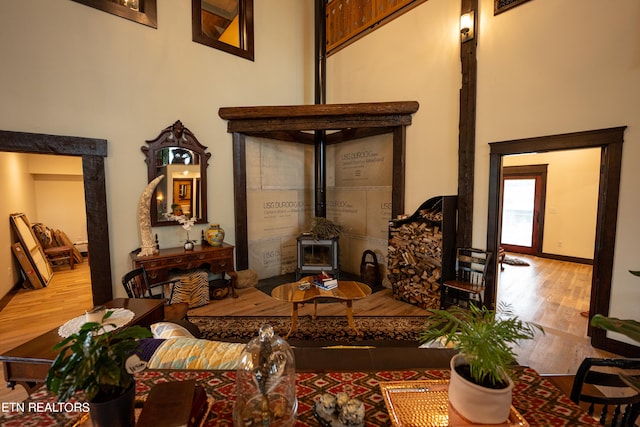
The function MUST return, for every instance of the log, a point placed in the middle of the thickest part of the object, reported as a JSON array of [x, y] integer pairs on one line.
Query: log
[[414, 260]]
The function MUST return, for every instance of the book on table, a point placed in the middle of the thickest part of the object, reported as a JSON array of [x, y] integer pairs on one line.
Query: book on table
[[325, 281]]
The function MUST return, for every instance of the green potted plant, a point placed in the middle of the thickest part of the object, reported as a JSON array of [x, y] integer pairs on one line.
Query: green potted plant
[[481, 387], [627, 327], [94, 361]]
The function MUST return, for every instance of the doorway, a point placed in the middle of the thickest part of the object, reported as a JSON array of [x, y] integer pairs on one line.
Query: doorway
[[523, 202], [93, 151], [610, 142]]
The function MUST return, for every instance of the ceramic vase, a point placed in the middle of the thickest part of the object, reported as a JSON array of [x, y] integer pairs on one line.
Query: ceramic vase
[[215, 235], [189, 244], [476, 403]]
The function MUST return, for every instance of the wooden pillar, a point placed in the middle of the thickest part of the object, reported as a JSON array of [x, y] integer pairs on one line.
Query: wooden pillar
[[240, 200], [467, 129]]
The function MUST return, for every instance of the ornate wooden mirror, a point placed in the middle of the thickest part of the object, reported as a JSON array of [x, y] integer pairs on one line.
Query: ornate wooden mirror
[[224, 24], [179, 156]]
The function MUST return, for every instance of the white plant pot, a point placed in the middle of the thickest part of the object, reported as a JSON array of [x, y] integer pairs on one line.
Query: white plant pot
[[476, 403]]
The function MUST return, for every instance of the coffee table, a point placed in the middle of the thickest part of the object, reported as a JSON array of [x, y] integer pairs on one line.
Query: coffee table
[[28, 363], [347, 291]]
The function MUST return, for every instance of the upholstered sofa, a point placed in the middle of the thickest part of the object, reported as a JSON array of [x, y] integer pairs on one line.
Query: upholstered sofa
[[175, 347]]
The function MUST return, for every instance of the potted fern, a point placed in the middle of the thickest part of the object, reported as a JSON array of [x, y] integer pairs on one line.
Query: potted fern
[[480, 388], [94, 361]]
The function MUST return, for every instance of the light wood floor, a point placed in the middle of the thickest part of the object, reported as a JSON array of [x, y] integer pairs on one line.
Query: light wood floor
[[550, 293], [30, 313]]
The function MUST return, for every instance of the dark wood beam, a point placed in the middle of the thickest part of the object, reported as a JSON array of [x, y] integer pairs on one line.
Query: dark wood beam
[[318, 116], [240, 200], [467, 131]]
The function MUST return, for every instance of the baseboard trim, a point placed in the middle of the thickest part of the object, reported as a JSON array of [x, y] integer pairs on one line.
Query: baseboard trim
[[567, 258]]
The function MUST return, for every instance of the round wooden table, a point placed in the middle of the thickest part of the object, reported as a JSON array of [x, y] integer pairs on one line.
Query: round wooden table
[[346, 291]]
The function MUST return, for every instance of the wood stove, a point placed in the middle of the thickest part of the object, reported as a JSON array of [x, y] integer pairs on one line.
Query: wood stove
[[316, 256]]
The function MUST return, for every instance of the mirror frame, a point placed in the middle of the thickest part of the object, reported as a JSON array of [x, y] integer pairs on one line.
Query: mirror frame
[[93, 152], [245, 10], [176, 136]]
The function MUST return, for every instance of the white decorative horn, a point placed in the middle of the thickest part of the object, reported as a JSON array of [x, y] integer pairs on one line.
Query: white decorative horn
[[148, 246]]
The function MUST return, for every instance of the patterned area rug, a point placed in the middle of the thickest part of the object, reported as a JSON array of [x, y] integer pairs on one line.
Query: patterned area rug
[[329, 328]]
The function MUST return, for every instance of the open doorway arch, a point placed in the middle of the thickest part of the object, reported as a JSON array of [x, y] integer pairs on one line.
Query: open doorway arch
[[610, 141], [93, 152]]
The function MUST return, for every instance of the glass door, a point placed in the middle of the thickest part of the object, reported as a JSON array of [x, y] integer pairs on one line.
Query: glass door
[[523, 208]]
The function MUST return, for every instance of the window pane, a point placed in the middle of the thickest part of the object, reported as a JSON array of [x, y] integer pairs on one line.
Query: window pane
[[517, 211]]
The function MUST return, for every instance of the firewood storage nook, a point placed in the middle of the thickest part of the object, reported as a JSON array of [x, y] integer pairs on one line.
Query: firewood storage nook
[[317, 126], [422, 252]]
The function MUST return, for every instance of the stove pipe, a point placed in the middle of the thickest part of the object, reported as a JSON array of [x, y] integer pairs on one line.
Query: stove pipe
[[320, 98]]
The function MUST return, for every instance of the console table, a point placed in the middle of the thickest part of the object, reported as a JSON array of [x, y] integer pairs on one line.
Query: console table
[[217, 259]]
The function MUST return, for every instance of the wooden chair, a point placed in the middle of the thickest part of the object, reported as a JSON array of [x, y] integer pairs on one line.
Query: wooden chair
[[469, 284], [136, 284], [612, 391]]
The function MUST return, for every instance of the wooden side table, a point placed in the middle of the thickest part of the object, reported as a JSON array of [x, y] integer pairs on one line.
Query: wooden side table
[[217, 259], [60, 253]]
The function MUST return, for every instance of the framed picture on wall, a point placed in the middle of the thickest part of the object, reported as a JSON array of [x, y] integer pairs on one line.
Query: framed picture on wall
[[500, 6], [140, 11]]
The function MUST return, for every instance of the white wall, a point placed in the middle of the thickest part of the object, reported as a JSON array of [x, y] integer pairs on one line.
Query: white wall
[[413, 58], [571, 206], [544, 68], [59, 194], [579, 71], [69, 69], [18, 196]]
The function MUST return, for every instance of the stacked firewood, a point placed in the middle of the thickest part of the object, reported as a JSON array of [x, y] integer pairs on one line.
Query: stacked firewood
[[414, 265]]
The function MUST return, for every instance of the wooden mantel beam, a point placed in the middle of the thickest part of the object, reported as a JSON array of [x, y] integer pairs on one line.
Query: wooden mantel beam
[[318, 116]]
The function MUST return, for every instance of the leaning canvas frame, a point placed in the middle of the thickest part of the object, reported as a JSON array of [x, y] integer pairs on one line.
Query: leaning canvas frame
[[32, 248], [28, 270]]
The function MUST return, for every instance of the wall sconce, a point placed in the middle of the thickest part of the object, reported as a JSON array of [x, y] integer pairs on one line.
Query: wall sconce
[[466, 27]]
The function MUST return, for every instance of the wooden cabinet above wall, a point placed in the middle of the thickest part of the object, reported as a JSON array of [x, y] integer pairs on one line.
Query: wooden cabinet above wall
[[349, 20]]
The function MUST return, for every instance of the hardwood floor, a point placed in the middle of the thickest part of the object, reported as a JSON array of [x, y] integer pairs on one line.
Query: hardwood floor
[[30, 313], [550, 293]]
